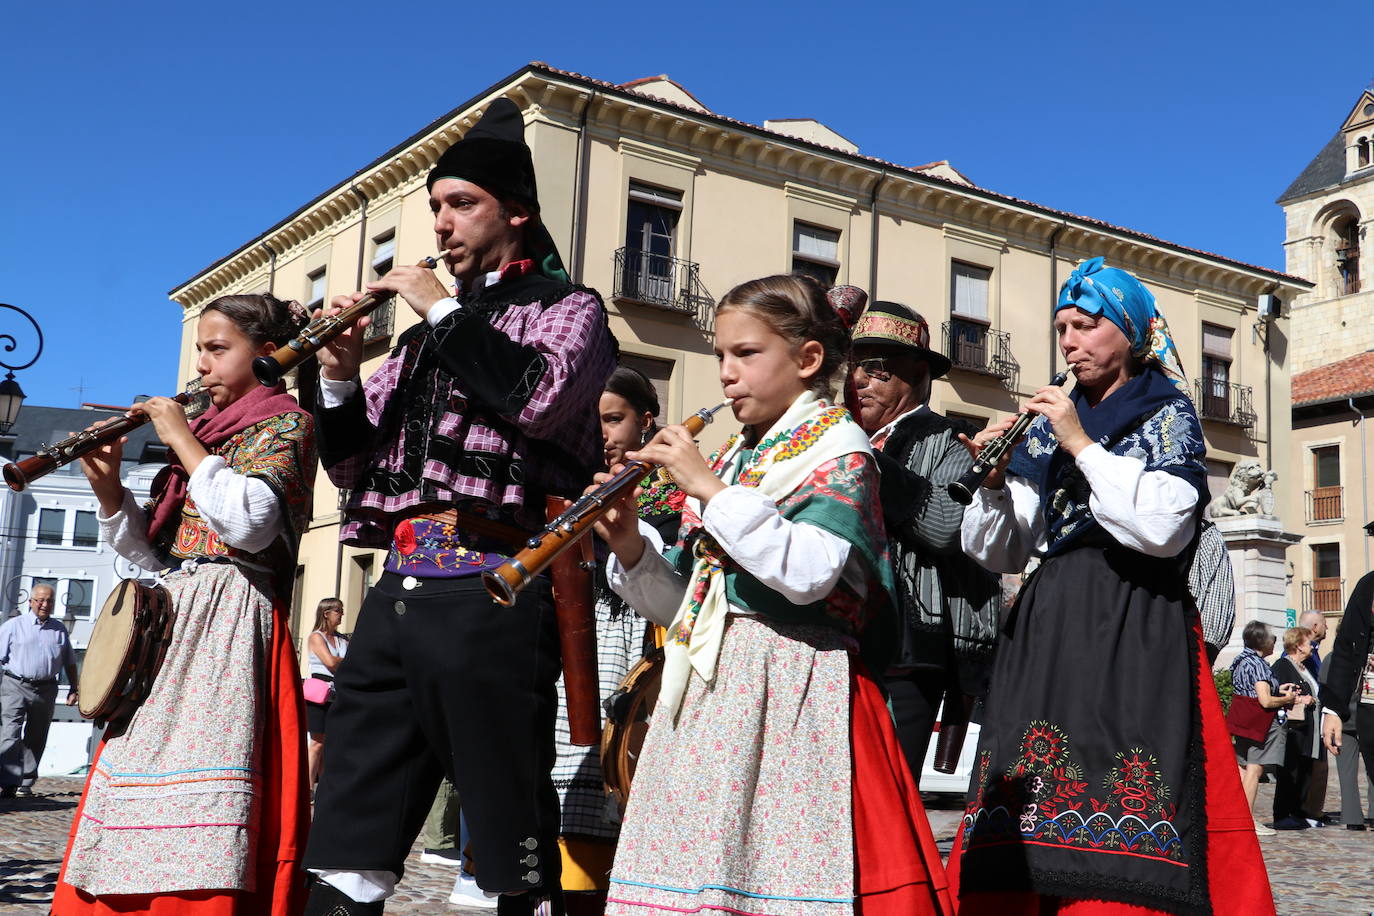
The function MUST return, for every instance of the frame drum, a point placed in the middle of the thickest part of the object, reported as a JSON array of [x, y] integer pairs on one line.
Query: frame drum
[[628, 713], [125, 651]]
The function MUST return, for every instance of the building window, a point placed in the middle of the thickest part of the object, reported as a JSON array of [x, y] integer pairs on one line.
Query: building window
[[383, 257], [51, 526], [969, 319], [650, 226], [1216, 370], [314, 292], [816, 253], [1348, 254], [87, 532], [1326, 578], [80, 593], [1326, 484], [383, 254], [1362, 152], [659, 372]]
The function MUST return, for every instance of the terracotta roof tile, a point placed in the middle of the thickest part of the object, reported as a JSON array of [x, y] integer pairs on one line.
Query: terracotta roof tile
[[1344, 378]]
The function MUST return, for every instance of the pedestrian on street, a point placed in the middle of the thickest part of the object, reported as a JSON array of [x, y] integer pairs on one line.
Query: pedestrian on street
[[34, 648]]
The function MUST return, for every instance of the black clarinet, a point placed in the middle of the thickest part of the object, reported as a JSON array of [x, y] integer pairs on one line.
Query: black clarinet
[[962, 490]]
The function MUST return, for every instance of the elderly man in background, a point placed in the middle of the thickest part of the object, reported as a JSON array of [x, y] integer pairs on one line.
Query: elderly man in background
[[34, 649], [948, 604]]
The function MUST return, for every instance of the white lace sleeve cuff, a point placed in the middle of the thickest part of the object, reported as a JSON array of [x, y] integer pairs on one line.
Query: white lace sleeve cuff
[[653, 588], [127, 534], [242, 510]]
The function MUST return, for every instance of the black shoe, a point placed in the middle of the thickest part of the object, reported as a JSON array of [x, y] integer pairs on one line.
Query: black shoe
[[8, 791], [1356, 827], [1290, 823], [23, 792], [327, 900]]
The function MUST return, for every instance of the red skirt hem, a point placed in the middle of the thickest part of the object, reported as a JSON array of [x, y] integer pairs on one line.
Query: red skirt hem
[[897, 868], [282, 826]]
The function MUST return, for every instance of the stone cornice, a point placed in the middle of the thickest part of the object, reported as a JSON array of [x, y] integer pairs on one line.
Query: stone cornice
[[626, 119]]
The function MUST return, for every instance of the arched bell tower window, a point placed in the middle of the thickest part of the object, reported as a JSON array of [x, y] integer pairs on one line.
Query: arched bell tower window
[[1362, 152], [1347, 237]]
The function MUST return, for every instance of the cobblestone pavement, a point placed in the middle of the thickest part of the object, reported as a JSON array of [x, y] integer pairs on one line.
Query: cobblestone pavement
[[1314, 872]]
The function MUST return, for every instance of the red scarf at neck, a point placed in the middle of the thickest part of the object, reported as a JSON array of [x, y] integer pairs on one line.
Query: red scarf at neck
[[212, 428]]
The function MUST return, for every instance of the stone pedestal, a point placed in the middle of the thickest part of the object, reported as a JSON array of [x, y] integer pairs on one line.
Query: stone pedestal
[[1258, 546]]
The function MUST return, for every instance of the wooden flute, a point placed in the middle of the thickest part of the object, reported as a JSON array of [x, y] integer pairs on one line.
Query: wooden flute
[[49, 458], [269, 369]]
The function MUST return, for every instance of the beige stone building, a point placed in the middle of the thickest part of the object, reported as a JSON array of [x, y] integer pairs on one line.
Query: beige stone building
[[663, 205], [1327, 210]]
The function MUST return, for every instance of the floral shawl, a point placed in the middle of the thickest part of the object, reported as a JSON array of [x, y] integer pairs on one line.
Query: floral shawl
[[816, 464]]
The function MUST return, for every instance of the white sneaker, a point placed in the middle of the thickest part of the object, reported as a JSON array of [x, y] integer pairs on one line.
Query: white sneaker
[[1261, 830], [442, 857], [467, 893]]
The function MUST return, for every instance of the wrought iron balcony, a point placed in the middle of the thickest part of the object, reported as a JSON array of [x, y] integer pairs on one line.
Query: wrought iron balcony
[[1325, 504], [1323, 595], [380, 328], [1225, 402], [978, 348], [663, 282]]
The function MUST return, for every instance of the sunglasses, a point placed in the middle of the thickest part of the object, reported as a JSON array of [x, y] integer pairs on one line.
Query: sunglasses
[[875, 367]]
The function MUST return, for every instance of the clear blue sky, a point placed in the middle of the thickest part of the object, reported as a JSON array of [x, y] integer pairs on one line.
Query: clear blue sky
[[143, 140]]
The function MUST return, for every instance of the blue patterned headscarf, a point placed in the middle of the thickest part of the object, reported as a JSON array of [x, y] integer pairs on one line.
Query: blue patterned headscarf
[[1124, 301]]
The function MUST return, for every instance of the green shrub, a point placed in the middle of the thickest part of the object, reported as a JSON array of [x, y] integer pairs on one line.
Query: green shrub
[[1224, 689]]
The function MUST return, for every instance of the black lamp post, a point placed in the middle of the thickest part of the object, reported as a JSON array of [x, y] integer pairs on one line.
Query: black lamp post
[[11, 395]]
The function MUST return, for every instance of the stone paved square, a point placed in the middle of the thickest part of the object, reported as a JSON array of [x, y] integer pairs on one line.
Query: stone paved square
[[1326, 872]]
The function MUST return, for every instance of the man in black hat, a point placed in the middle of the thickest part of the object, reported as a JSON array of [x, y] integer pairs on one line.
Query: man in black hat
[[949, 604], [482, 409]]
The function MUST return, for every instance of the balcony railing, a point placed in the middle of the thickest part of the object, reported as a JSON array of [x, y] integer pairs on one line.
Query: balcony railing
[[661, 281], [1225, 402], [380, 328], [1323, 595], [978, 348], [1325, 504]]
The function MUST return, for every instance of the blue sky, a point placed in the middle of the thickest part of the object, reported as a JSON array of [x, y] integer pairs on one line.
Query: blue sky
[[143, 140]]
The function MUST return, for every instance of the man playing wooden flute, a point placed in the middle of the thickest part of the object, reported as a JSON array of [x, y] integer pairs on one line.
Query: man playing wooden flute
[[485, 406]]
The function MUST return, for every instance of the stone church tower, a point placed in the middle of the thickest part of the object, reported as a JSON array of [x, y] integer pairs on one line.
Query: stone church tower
[[1327, 209]]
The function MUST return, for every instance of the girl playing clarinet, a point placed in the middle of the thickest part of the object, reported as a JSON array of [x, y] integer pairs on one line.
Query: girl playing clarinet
[[200, 804], [770, 780]]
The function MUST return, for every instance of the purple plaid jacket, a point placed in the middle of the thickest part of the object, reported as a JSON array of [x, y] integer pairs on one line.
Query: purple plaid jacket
[[525, 419]]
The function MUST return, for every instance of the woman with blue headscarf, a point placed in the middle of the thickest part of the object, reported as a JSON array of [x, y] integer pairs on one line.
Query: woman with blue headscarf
[[1104, 781]]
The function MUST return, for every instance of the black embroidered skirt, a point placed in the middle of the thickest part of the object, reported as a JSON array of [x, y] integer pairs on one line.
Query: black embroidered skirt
[[1090, 776]]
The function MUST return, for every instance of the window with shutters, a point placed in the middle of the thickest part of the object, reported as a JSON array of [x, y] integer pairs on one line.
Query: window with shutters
[[1216, 371], [968, 315], [379, 265], [648, 261], [816, 252], [1324, 500], [315, 289]]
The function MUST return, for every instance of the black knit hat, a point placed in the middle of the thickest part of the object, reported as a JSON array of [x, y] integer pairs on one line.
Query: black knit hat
[[493, 154]]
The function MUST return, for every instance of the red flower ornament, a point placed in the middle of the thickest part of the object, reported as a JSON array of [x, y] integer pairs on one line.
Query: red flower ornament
[[405, 539]]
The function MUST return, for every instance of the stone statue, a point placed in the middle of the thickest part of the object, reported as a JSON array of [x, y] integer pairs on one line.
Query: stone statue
[[1250, 492]]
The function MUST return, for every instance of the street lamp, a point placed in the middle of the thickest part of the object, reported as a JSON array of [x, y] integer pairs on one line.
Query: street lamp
[[11, 395]]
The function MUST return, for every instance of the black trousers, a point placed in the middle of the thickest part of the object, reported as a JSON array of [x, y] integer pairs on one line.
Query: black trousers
[[439, 680], [1364, 736], [1291, 779], [915, 696]]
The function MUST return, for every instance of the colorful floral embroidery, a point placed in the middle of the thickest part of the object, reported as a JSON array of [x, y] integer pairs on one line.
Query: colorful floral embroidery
[[788, 444], [661, 496], [1043, 798], [279, 451]]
